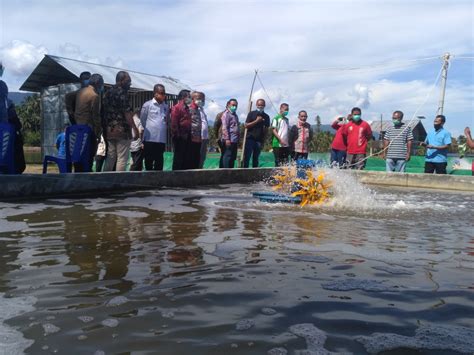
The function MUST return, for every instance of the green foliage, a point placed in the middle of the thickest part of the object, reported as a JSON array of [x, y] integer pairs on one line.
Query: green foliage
[[32, 138], [321, 142], [29, 112]]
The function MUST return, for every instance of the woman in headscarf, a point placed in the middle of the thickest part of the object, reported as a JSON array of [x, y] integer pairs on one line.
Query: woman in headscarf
[[8, 115]]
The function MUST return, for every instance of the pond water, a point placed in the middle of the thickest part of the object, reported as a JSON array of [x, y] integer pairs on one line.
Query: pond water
[[213, 271]]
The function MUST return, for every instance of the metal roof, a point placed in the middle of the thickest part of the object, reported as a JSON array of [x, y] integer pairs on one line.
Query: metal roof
[[375, 125], [54, 70]]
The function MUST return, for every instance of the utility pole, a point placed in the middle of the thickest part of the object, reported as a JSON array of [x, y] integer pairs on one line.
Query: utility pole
[[444, 78]]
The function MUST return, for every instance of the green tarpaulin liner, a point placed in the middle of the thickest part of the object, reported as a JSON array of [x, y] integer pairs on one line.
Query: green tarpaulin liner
[[415, 165]]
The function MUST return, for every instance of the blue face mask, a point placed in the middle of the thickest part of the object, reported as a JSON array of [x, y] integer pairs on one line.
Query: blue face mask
[[100, 90], [85, 83], [232, 109], [260, 109], [356, 118], [285, 113]]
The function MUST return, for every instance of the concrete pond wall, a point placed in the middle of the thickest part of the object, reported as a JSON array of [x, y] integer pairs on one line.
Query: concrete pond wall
[[48, 185]]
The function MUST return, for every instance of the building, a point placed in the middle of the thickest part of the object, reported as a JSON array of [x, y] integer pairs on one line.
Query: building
[[55, 76]]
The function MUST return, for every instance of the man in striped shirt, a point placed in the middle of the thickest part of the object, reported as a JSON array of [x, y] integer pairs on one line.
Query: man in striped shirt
[[397, 144]]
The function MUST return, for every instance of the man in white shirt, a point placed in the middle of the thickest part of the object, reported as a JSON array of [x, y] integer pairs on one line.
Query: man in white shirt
[[154, 119], [204, 129]]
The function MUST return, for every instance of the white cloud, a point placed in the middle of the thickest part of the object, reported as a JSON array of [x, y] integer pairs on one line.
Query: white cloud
[[20, 57]]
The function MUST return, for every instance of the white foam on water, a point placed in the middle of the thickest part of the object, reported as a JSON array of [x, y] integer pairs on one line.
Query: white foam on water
[[12, 342], [358, 284], [315, 338], [170, 314], [50, 328], [117, 301], [268, 311], [244, 324], [110, 322], [168, 204], [427, 337], [85, 319], [12, 226]]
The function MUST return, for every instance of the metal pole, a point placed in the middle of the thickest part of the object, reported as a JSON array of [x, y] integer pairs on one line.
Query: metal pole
[[249, 108], [444, 78]]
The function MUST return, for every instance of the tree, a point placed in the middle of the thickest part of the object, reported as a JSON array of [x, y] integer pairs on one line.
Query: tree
[[318, 124], [321, 142], [29, 112]]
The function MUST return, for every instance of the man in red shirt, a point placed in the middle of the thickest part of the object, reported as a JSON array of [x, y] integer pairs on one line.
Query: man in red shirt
[[339, 146], [357, 133], [181, 131]]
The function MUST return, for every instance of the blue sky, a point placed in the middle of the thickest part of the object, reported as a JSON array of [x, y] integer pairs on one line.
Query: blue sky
[[221, 43]]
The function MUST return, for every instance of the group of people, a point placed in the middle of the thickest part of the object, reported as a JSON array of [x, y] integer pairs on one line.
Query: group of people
[[118, 131], [349, 146]]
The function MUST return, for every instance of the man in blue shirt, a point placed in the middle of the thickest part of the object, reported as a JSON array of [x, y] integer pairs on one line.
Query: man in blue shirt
[[61, 143], [437, 143]]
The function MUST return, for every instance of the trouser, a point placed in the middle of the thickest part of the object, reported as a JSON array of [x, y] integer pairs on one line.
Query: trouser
[[298, 156], [194, 155], [78, 167], [181, 150], [153, 154], [229, 155], [252, 148], [203, 153], [396, 165], [137, 160], [338, 157], [439, 168], [281, 155], [221, 149], [356, 161], [99, 163], [117, 154]]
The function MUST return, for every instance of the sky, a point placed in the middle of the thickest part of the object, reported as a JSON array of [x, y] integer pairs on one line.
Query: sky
[[320, 56]]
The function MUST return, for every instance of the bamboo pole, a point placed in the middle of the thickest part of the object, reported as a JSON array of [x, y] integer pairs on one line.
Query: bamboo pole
[[249, 109]]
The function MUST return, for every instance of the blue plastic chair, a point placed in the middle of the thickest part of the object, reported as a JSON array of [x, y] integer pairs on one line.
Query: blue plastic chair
[[78, 138], [7, 144]]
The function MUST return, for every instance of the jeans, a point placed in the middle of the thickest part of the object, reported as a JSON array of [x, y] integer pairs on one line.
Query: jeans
[[117, 154], [153, 154], [229, 155], [252, 148], [338, 157], [396, 165], [204, 144]]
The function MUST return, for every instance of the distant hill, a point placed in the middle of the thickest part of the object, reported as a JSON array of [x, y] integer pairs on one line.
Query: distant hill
[[18, 97]]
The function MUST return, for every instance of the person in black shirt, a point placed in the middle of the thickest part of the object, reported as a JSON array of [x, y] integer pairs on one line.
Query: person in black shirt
[[256, 124]]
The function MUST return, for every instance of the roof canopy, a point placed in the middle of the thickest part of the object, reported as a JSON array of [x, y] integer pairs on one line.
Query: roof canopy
[[53, 70], [375, 125]]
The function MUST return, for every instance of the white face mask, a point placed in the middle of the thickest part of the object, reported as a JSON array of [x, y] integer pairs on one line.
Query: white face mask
[[199, 103]]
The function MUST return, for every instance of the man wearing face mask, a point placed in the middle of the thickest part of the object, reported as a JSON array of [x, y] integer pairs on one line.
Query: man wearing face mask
[[230, 134], [356, 133], [70, 98], [87, 112], [437, 143], [301, 135], [154, 120], [256, 124], [181, 130], [398, 141], [338, 145], [280, 140], [118, 117]]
